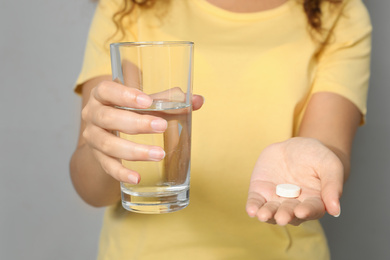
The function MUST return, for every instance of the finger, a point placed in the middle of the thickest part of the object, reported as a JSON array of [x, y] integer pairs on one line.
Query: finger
[[197, 102], [331, 193], [310, 208], [178, 95], [331, 190], [285, 213], [175, 93], [112, 93], [114, 168], [254, 202], [117, 147], [267, 211], [128, 122]]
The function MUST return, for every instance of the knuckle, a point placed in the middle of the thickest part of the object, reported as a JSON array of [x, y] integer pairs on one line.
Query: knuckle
[[101, 88], [122, 173], [107, 168], [180, 95], [86, 134], [127, 95], [111, 167], [105, 145], [107, 164], [119, 172], [142, 123], [103, 116], [136, 124], [140, 152], [84, 113], [105, 83]]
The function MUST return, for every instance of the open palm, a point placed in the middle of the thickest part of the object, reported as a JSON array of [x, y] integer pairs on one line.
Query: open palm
[[301, 161]]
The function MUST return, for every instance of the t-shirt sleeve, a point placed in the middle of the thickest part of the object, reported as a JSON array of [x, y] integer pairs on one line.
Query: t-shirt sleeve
[[344, 64], [97, 60]]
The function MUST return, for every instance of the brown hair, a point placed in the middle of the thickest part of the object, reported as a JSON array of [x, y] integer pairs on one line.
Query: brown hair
[[313, 12], [312, 9]]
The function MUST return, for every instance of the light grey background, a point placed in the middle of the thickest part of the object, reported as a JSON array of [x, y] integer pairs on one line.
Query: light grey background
[[41, 49]]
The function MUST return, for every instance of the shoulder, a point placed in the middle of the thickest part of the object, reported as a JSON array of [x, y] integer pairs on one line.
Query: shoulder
[[347, 11], [347, 21]]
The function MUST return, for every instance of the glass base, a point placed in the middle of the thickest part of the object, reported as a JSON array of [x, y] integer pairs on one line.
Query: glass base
[[152, 204]]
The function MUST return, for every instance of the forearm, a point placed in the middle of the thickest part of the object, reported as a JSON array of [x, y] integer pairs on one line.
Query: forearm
[[91, 182], [333, 120]]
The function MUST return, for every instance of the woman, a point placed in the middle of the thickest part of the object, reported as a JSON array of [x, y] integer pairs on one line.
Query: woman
[[285, 83]]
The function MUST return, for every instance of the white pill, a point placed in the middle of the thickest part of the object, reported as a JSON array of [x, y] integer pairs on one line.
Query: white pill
[[288, 190]]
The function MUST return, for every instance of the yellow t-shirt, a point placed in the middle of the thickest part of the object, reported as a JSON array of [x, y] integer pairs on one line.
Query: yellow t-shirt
[[256, 72]]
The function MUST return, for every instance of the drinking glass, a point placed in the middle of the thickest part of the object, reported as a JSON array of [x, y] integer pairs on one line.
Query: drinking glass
[[162, 70]]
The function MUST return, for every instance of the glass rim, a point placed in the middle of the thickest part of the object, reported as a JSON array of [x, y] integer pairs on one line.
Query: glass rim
[[151, 43]]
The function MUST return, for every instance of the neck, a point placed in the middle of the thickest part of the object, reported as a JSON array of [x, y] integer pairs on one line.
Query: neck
[[247, 6]]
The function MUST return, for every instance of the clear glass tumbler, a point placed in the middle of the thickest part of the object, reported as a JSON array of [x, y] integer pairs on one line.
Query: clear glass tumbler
[[164, 71]]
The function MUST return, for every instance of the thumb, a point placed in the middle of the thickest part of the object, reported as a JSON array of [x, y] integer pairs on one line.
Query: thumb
[[331, 191], [197, 102]]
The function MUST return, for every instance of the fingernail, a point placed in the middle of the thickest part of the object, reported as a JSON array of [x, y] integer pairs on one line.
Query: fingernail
[[159, 125], [156, 154], [251, 213], [338, 215], [144, 100], [133, 179]]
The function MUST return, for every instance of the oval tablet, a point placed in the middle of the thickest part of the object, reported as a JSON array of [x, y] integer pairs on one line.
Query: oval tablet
[[288, 190]]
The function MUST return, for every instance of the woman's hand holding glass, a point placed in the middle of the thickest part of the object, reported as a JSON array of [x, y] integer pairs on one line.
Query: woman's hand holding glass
[[103, 119]]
